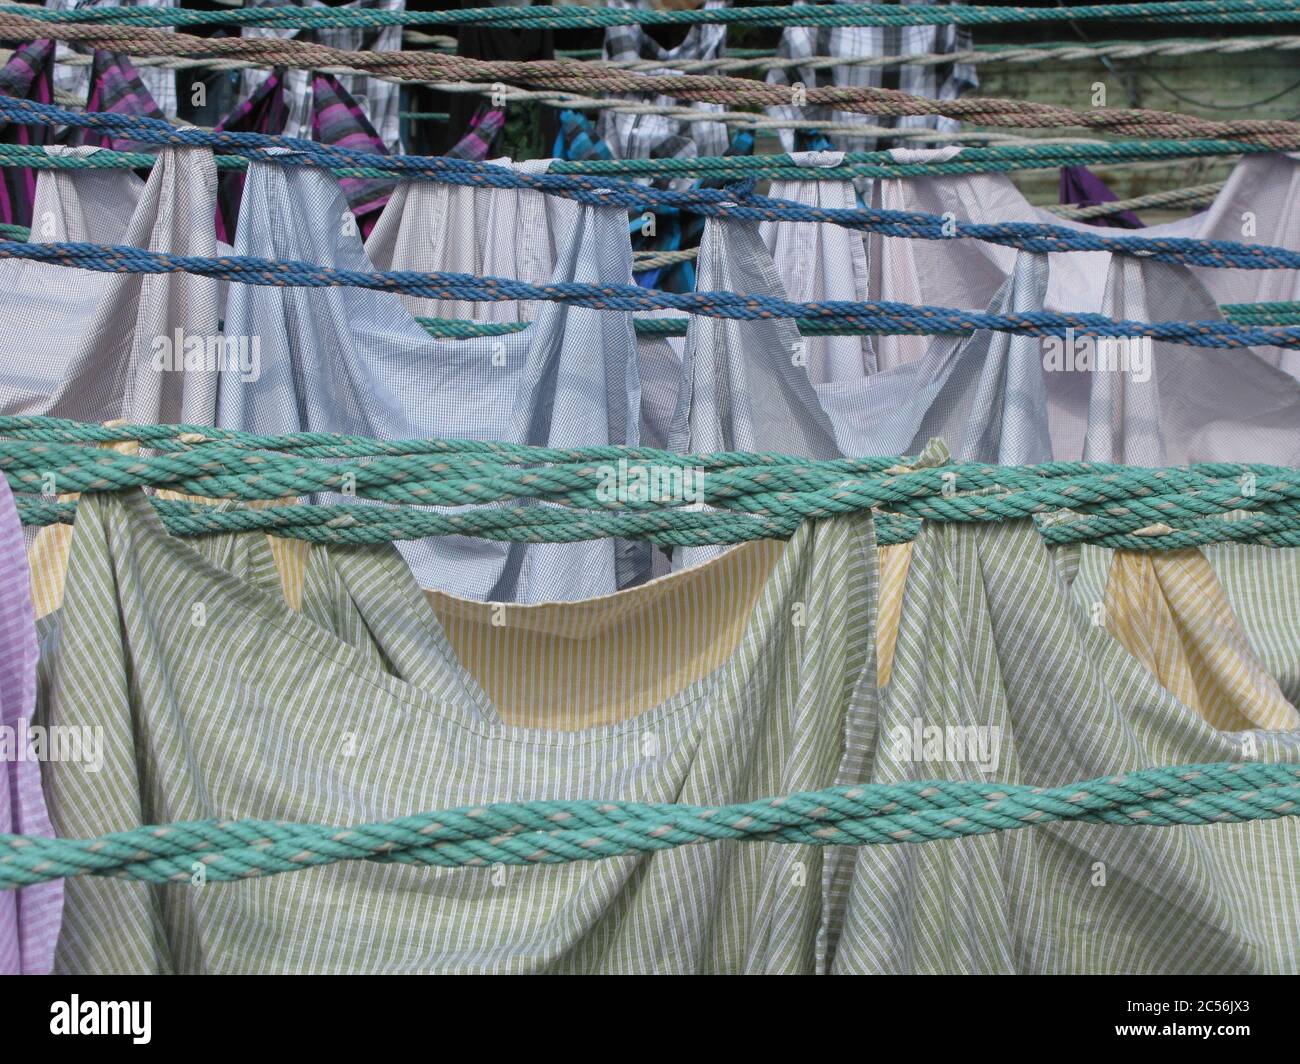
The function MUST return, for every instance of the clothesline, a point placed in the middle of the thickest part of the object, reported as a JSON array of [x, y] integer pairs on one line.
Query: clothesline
[[585, 77], [972, 160], [732, 202], [751, 496], [560, 832], [883, 318]]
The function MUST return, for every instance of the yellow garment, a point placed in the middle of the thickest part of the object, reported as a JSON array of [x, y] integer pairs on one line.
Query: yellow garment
[[1168, 609], [603, 660], [47, 557]]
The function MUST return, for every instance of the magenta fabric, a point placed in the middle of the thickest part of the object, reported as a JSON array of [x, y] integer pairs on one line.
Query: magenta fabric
[[29, 917]]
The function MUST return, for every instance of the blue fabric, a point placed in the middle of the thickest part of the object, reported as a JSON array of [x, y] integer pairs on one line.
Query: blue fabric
[[355, 361]]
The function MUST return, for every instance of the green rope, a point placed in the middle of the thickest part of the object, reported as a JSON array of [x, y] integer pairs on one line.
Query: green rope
[[1286, 313], [1170, 11], [879, 165], [604, 491], [561, 832]]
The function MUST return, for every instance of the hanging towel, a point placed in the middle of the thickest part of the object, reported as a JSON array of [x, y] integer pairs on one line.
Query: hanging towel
[[135, 346], [355, 361]]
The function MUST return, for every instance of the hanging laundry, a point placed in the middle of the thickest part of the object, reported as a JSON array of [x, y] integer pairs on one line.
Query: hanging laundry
[[751, 705], [655, 136], [1080, 187], [116, 88], [817, 262], [1256, 205], [940, 81], [353, 360], [523, 129], [76, 79], [377, 102], [430, 227], [338, 120], [136, 346], [26, 76], [484, 128], [30, 916], [335, 119]]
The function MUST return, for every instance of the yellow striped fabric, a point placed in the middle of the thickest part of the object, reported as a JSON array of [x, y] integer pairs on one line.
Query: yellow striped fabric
[[572, 665], [1169, 611], [47, 555], [895, 561]]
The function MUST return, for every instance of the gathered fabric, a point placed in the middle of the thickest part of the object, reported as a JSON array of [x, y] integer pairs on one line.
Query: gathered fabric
[[356, 361], [793, 687], [132, 346]]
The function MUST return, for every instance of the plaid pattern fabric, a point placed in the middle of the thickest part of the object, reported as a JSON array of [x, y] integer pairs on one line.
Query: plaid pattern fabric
[[335, 118], [115, 86], [763, 704], [27, 76], [660, 136], [941, 82], [377, 100], [578, 139], [159, 83], [484, 129], [338, 119]]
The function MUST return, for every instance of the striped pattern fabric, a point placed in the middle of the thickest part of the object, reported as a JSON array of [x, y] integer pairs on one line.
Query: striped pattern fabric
[[485, 126], [378, 101], [29, 917], [361, 707], [27, 76], [115, 87], [160, 84]]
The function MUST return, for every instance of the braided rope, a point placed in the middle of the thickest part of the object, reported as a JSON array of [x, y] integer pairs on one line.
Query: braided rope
[[885, 318], [1284, 313], [752, 496], [1177, 11], [586, 77], [1036, 155], [560, 832]]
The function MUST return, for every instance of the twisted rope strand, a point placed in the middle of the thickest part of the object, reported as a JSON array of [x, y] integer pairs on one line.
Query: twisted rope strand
[[557, 832], [887, 318], [582, 77]]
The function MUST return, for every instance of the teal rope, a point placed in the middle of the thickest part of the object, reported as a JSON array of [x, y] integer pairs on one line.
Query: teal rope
[[561, 832], [778, 167], [1177, 12], [753, 496], [1284, 313]]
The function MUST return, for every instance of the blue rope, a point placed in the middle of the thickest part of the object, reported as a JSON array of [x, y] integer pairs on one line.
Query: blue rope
[[735, 201], [880, 317]]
